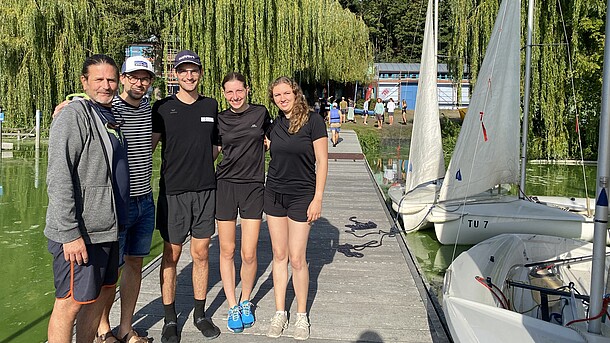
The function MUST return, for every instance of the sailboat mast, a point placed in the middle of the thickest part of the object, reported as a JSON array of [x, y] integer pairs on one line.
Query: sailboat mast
[[526, 95], [601, 204]]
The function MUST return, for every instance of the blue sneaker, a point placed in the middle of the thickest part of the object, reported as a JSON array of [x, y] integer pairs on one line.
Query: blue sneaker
[[247, 313], [234, 323]]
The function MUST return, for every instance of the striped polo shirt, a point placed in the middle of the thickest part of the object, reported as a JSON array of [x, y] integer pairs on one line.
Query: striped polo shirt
[[137, 129]]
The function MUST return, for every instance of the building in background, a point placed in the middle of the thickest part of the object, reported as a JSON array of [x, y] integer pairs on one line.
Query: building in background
[[399, 81]]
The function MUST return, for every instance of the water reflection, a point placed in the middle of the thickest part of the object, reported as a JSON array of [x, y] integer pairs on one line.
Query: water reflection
[[27, 289]]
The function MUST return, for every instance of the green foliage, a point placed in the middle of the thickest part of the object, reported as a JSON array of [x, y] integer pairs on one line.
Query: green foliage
[[265, 39], [450, 130], [370, 140], [44, 43], [397, 27]]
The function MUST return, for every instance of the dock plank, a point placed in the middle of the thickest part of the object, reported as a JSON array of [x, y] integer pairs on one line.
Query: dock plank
[[374, 297]]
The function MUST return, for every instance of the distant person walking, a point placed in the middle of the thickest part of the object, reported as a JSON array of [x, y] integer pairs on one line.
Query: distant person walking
[[404, 112], [343, 108], [334, 120], [391, 107], [350, 110], [88, 189], [293, 197], [365, 110], [240, 189], [186, 125], [379, 111]]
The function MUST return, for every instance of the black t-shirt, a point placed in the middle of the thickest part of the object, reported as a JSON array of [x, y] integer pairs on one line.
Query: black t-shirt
[[120, 166], [188, 134], [292, 169], [241, 136]]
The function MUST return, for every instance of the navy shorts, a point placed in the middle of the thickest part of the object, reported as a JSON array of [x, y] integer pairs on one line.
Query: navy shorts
[[84, 282], [136, 238], [245, 197], [287, 205], [186, 213]]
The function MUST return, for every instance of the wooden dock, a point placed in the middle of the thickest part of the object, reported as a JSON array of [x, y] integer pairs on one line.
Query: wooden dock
[[370, 295]]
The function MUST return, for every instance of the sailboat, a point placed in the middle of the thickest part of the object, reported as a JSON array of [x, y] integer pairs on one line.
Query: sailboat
[[537, 288], [471, 207], [426, 166]]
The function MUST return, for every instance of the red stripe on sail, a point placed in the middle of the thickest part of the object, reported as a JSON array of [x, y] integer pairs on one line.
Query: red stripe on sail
[[483, 126]]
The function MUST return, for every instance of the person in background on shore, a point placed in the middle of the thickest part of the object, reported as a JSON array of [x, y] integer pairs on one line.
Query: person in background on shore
[[88, 189], [186, 124], [403, 109], [379, 110], [293, 197], [350, 110], [365, 110], [334, 120], [343, 108], [391, 107], [240, 188]]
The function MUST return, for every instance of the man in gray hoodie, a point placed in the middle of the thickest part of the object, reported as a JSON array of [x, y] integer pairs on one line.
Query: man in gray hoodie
[[88, 189]]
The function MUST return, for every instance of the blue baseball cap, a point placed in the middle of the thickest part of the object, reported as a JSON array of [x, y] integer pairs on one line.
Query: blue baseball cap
[[186, 56]]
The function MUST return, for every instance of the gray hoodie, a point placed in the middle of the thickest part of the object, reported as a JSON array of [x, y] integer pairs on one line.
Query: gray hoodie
[[81, 200]]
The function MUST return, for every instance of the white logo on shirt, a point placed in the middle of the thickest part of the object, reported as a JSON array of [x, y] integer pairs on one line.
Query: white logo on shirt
[[207, 119], [253, 125]]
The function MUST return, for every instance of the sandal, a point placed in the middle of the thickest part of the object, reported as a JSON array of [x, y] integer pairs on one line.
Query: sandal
[[132, 334], [108, 337]]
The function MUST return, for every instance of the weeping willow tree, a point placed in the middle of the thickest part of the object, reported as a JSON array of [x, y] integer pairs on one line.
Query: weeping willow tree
[[264, 39], [555, 105], [42, 46]]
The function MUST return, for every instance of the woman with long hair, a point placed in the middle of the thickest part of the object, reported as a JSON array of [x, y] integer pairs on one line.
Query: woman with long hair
[[293, 197]]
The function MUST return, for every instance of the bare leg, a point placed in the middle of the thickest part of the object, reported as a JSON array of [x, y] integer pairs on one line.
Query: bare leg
[[92, 313], [62, 320], [105, 320], [250, 229], [298, 234], [131, 279], [169, 261], [199, 253], [278, 230], [226, 237]]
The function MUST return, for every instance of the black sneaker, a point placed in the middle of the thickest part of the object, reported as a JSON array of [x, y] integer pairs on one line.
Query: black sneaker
[[169, 333], [207, 328]]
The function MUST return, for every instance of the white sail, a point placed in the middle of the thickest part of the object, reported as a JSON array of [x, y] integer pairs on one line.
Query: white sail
[[426, 151], [487, 150]]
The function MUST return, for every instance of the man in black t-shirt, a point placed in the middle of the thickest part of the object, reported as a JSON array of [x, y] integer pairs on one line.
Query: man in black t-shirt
[[186, 124]]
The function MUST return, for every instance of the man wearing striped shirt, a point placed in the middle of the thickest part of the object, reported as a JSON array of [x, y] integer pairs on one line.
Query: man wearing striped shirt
[[132, 110]]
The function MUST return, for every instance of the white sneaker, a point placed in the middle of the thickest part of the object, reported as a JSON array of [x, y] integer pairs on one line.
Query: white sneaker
[[279, 323], [301, 327]]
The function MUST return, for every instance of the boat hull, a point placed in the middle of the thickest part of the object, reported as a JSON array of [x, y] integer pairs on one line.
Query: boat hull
[[480, 219], [415, 206], [474, 315]]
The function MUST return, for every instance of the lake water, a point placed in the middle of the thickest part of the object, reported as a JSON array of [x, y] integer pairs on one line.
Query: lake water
[[27, 293]]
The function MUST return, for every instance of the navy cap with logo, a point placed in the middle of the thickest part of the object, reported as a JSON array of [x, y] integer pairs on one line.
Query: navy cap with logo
[[186, 56]]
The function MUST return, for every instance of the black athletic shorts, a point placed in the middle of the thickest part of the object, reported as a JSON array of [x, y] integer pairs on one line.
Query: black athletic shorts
[[247, 197], [186, 213], [84, 282], [287, 205]]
